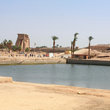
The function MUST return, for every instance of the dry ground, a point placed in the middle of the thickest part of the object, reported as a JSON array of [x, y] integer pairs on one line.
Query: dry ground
[[29, 96]]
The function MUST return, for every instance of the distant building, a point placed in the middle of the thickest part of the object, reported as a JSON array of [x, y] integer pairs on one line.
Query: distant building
[[83, 54], [23, 41]]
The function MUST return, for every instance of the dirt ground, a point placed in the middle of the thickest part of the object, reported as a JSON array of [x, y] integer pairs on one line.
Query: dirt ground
[[29, 96]]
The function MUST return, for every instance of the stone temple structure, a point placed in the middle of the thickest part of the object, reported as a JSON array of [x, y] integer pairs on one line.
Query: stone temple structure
[[23, 41]]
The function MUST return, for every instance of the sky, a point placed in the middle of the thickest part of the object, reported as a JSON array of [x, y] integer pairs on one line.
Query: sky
[[42, 19]]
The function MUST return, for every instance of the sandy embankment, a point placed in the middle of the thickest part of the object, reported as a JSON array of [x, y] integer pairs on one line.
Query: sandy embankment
[[29, 96], [31, 60]]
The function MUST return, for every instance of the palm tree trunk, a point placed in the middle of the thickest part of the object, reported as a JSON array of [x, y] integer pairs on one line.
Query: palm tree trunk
[[73, 49], [89, 51], [53, 46]]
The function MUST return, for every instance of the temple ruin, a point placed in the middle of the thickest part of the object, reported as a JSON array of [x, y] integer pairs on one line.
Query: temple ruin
[[23, 41]]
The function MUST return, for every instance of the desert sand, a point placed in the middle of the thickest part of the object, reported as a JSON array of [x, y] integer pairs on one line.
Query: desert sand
[[30, 96]]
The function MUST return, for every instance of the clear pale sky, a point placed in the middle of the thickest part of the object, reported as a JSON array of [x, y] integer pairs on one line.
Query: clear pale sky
[[41, 19]]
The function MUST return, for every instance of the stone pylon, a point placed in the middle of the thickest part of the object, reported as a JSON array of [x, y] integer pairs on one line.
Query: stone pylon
[[23, 41]]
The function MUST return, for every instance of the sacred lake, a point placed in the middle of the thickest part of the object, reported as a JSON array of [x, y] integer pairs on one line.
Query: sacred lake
[[88, 76]]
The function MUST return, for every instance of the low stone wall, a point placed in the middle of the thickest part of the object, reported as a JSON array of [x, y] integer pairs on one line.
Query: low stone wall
[[6, 80], [88, 62]]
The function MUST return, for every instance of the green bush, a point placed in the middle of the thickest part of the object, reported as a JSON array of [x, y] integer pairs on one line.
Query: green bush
[[27, 50], [14, 48]]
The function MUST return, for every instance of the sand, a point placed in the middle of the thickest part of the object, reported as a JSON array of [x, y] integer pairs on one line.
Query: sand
[[30, 96]]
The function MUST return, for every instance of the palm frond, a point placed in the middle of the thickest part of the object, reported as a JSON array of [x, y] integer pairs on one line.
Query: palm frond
[[54, 37], [90, 38]]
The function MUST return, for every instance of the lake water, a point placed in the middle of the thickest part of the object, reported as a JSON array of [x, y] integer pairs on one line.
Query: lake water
[[61, 74]]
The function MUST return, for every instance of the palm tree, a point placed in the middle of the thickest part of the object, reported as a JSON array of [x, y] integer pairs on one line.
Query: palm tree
[[54, 38], [9, 45], [1, 46], [5, 43], [73, 43], [10, 41], [90, 38]]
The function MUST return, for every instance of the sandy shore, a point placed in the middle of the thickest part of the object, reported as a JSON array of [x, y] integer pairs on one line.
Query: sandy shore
[[29, 96], [25, 60]]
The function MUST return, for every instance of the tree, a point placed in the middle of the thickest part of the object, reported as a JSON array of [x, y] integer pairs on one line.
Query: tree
[[14, 48], [90, 38], [9, 45], [73, 44], [1, 46], [43, 46], [5, 43], [54, 38], [10, 41]]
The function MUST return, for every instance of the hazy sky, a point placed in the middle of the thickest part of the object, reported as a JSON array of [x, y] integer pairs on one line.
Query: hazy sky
[[42, 19]]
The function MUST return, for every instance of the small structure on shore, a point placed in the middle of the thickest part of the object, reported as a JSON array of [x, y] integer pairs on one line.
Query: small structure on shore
[[83, 54], [23, 41]]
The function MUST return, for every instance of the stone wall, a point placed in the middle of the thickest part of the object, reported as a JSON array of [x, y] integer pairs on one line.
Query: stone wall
[[88, 62]]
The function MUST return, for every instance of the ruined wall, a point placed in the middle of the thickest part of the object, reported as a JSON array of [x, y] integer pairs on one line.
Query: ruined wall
[[23, 41], [87, 62]]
